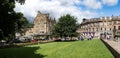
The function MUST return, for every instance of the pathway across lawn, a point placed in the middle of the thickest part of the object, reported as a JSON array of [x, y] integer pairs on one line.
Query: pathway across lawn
[[76, 49]]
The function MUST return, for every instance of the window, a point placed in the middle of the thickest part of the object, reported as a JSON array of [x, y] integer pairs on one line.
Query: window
[[118, 22], [110, 23], [88, 25], [36, 26], [30, 32], [110, 29], [114, 27], [101, 29], [97, 24], [45, 22], [91, 24], [118, 27], [93, 29], [42, 26], [42, 32], [86, 29], [105, 23], [89, 29], [114, 22], [105, 28], [96, 29], [101, 24]]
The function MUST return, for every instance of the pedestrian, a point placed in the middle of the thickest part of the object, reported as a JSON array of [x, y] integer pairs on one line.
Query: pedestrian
[[81, 38]]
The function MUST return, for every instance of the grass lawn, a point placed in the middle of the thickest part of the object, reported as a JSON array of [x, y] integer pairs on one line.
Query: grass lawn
[[76, 49]]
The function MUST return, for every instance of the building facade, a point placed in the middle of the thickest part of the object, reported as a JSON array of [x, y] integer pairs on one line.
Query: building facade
[[43, 24], [100, 26]]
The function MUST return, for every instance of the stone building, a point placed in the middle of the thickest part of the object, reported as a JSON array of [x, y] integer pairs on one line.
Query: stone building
[[43, 24], [100, 26]]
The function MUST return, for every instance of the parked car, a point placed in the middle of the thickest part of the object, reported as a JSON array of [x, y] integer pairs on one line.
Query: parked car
[[25, 39], [16, 41]]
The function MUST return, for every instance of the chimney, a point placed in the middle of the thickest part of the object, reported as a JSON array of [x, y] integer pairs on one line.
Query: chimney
[[84, 19]]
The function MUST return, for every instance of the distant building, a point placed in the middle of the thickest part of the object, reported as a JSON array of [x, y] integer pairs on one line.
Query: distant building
[[100, 26], [43, 24]]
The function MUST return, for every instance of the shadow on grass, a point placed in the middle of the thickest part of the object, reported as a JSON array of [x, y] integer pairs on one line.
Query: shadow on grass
[[21, 52]]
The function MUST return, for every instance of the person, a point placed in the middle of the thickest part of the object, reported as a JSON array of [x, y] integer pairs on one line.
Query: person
[[108, 37], [81, 38], [92, 37], [89, 37]]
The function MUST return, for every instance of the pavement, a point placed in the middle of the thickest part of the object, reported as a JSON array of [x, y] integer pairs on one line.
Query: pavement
[[114, 45]]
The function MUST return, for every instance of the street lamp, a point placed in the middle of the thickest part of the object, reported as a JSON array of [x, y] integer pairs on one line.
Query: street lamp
[[114, 31]]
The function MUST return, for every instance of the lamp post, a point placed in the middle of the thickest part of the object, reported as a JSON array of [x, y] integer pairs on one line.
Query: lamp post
[[114, 31], [46, 30]]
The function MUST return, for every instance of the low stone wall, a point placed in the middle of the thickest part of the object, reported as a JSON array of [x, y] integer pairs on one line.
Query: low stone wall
[[113, 51]]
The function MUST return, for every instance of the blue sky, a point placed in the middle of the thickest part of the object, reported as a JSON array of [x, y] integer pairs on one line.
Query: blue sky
[[78, 8], [110, 10]]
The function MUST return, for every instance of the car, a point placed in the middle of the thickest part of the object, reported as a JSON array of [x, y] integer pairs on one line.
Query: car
[[16, 41]]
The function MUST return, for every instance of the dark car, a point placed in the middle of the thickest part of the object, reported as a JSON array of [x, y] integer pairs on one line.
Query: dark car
[[16, 41]]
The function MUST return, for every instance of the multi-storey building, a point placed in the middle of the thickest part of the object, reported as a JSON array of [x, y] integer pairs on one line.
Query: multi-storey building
[[100, 26], [43, 24]]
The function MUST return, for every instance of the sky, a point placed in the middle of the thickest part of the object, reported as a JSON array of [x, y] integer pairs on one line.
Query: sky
[[77, 8]]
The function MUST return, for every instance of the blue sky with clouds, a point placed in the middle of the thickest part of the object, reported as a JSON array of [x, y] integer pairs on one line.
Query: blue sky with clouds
[[78, 8], [110, 10]]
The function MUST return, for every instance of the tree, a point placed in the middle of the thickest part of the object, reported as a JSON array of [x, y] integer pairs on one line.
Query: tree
[[8, 18], [22, 23], [66, 26]]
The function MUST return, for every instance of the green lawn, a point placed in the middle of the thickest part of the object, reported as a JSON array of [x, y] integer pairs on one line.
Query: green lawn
[[75, 49]]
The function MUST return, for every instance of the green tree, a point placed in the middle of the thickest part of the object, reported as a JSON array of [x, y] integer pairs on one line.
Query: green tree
[[66, 26], [22, 24], [8, 18]]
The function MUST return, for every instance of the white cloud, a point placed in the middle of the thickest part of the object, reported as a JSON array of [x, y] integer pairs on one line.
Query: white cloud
[[110, 2], [57, 8], [94, 4], [98, 4]]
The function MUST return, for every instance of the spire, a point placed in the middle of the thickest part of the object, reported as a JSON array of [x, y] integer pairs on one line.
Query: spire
[[54, 20], [47, 14], [112, 16], [39, 12]]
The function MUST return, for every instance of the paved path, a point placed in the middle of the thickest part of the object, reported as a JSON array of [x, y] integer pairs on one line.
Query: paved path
[[114, 45]]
